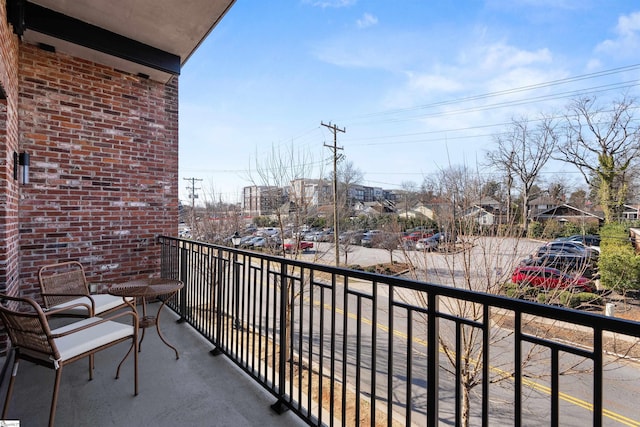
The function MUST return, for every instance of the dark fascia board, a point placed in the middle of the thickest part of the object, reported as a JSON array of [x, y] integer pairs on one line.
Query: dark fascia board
[[58, 25]]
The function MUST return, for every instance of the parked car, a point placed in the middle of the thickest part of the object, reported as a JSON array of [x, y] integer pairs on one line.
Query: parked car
[[290, 245], [417, 235], [573, 263], [566, 247], [247, 241], [367, 238], [550, 278], [258, 242], [313, 236], [261, 242], [444, 236], [428, 244], [268, 231], [407, 245], [590, 240]]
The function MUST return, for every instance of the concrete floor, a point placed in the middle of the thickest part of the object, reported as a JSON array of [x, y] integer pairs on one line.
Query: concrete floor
[[195, 390]]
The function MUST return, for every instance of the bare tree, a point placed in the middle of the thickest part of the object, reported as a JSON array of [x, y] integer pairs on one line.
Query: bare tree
[[602, 144], [287, 170], [290, 169], [457, 190], [216, 220], [502, 159], [410, 196], [578, 198], [522, 152], [348, 176], [481, 263]]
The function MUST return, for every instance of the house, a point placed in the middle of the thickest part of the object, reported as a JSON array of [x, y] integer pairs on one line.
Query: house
[[540, 204], [630, 212], [373, 208], [567, 213], [481, 215], [487, 212], [420, 211]]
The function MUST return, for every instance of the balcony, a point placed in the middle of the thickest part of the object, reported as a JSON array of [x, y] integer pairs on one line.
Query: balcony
[[196, 390], [301, 339]]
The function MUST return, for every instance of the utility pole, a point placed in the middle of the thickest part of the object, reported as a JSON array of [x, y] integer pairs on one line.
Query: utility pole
[[193, 196], [335, 149]]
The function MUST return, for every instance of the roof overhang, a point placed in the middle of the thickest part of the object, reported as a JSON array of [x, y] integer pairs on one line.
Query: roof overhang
[[152, 38]]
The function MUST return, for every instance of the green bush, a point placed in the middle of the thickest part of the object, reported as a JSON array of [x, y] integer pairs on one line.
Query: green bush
[[574, 300], [552, 229], [567, 298], [570, 228], [618, 264], [535, 230], [513, 290]]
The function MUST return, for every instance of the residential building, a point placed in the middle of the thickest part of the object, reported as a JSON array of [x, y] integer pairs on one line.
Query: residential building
[[310, 192], [261, 200], [567, 213]]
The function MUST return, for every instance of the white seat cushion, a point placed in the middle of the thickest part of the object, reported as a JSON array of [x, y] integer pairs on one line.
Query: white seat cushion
[[104, 302], [88, 339]]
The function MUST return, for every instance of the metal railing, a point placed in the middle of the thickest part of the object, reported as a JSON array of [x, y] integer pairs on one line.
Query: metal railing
[[346, 347]]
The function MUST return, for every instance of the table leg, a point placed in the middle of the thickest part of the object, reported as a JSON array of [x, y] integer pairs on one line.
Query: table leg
[[158, 326]]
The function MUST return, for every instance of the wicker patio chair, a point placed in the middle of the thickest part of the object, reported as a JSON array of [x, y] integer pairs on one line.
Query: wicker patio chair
[[64, 285], [32, 339]]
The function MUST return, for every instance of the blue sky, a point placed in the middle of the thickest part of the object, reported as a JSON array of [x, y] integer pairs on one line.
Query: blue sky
[[405, 78]]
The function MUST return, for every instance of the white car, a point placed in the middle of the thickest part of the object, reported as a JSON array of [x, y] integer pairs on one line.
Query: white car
[[427, 244]]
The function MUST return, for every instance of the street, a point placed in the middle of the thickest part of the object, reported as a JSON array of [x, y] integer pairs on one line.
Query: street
[[489, 261]]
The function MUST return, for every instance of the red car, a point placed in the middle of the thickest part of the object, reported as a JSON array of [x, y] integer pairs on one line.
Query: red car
[[550, 278], [417, 235], [303, 245]]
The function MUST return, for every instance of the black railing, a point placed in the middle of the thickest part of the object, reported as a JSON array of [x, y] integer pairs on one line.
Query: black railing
[[346, 347]]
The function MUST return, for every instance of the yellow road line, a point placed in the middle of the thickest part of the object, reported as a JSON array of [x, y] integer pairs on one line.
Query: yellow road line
[[529, 383]]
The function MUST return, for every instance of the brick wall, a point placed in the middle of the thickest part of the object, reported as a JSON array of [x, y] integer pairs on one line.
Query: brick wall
[[104, 165], [9, 255]]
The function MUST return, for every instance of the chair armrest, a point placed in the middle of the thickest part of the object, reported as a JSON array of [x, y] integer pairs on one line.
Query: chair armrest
[[99, 320], [90, 308]]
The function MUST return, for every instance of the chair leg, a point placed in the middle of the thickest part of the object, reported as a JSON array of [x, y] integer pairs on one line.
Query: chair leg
[[122, 361], [134, 349], [14, 372], [91, 366], [54, 399], [135, 366]]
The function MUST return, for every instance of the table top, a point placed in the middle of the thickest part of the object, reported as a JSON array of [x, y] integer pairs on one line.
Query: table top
[[151, 287]]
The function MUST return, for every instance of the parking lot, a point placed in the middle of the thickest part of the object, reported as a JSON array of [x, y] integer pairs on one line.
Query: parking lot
[[489, 260]]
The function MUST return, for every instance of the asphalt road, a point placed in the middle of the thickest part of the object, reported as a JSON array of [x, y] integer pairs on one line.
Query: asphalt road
[[492, 260]]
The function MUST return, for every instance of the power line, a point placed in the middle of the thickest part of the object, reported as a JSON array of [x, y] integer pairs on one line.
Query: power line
[[511, 91]]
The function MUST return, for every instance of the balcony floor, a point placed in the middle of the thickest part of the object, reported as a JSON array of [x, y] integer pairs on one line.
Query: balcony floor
[[198, 389]]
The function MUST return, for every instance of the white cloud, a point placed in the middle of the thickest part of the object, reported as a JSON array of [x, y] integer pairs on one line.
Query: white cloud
[[501, 56], [627, 41], [367, 20]]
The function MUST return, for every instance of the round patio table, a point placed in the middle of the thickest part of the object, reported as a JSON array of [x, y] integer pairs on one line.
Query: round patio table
[[144, 289]]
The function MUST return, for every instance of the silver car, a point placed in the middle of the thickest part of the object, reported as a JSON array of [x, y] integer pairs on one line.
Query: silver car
[[427, 244]]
